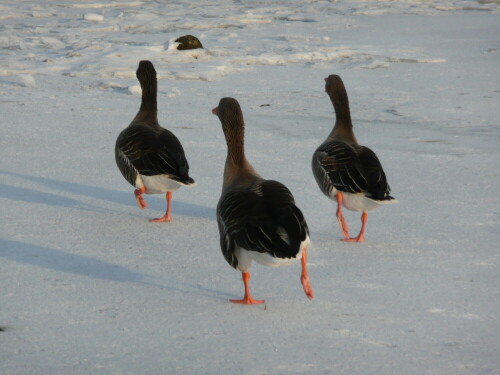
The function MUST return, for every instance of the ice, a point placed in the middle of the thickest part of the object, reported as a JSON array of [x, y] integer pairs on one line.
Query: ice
[[93, 17], [89, 286]]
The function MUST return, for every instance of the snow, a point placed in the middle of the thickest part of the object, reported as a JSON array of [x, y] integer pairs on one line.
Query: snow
[[27, 80], [93, 17], [89, 286]]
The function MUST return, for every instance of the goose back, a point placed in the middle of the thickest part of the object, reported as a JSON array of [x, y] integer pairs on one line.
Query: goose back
[[338, 166], [151, 151], [262, 217]]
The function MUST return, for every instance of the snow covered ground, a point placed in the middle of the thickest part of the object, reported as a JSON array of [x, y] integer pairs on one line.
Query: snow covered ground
[[89, 286]]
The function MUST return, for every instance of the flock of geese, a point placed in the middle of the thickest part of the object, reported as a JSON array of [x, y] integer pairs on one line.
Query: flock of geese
[[257, 218]]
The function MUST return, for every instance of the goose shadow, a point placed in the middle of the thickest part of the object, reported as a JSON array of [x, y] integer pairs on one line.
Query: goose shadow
[[115, 196], [59, 260], [81, 265], [35, 196]]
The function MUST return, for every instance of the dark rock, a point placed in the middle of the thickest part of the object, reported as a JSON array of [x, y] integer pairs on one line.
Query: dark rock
[[188, 42]]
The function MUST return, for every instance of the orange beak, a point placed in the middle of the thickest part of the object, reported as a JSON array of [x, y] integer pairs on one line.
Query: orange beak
[[214, 110]]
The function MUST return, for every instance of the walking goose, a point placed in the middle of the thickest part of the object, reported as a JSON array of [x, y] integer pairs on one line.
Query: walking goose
[[345, 171], [258, 219], [150, 157]]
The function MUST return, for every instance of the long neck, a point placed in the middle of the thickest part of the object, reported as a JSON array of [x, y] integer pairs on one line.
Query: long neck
[[149, 108], [340, 101], [343, 124], [238, 168], [235, 134]]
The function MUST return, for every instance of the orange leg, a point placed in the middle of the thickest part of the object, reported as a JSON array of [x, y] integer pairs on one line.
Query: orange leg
[[361, 235], [247, 299], [167, 216], [138, 197], [340, 217], [304, 277]]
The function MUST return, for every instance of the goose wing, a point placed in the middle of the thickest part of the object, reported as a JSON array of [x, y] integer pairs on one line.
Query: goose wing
[[378, 187], [350, 169], [340, 167], [152, 152], [261, 218]]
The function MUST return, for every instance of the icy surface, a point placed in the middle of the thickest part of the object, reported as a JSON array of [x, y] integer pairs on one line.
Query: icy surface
[[89, 286]]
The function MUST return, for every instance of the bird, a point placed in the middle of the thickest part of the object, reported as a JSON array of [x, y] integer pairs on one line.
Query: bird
[[150, 157], [345, 171], [257, 218]]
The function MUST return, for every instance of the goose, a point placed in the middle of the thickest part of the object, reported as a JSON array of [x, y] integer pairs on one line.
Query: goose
[[257, 218], [345, 171], [150, 157]]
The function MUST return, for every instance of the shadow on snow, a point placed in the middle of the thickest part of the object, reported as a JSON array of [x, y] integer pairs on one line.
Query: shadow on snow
[[81, 265], [120, 197]]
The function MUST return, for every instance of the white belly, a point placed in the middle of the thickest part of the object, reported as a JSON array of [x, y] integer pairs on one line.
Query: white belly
[[357, 201], [157, 184], [245, 257]]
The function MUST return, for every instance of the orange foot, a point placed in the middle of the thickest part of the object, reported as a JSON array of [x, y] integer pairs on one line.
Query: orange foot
[[304, 277], [343, 226], [163, 219], [306, 284], [166, 218], [354, 239], [361, 235], [138, 197], [340, 217], [248, 300]]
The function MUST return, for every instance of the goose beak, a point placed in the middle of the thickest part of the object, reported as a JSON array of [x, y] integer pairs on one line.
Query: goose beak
[[326, 79], [214, 111]]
